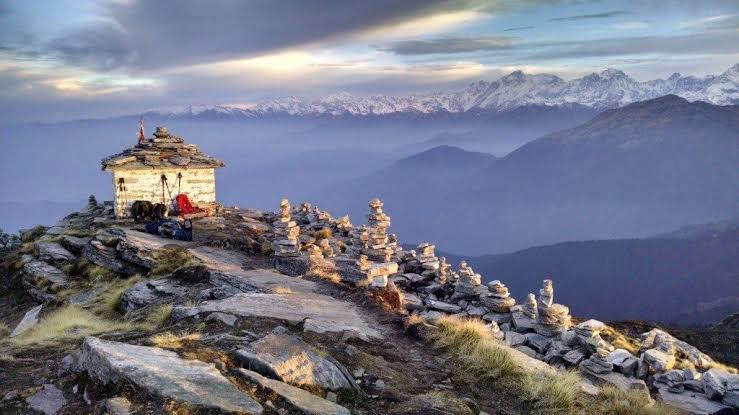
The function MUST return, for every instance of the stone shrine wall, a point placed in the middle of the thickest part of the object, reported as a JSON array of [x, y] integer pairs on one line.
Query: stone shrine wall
[[146, 184]]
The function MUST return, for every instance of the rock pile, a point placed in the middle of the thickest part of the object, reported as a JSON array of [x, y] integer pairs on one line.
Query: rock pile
[[8, 241], [553, 318], [468, 283], [498, 300], [286, 245], [524, 316], [377, 240]]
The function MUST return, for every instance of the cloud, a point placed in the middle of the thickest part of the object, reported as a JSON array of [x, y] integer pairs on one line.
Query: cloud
[[145, 35], [603, 15], [517, 28], [448, 45]]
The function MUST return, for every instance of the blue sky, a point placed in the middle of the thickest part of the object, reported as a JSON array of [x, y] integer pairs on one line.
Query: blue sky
[[89, 58]]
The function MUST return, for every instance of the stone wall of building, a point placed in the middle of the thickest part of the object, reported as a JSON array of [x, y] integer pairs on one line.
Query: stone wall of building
[[146, 184]]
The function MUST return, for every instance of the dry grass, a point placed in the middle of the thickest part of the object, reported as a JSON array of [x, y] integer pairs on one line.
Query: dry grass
[[282, 290], [471, 342], [32, 234], [169, 340], [324, 274], [106, 304], [324, 233], [554, 394], [158, 317], [97, 273], [68, 323], [4, 330], [172, 257], [619, 340]]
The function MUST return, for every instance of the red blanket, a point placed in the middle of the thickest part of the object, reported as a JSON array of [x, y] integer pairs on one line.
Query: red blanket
[[184, 205]]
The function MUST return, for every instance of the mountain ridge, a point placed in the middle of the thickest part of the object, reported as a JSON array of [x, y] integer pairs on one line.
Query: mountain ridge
[[611, 88]]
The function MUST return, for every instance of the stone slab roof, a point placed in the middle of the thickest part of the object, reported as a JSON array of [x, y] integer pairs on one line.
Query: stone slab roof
[[164, 150]]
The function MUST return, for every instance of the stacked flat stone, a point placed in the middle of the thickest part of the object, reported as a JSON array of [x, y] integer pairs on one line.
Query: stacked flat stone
[[553, 318], [531, 308], [468, 283], [286, 232], [427, 258], [498, 300], [395, 246], [315, 254], [588, 333], [597, 363], [377, 249], [445, 271]]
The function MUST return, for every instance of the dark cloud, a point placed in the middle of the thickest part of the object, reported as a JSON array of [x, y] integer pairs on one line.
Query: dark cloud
[[448, 45], [153, 34], [603, 15], [517, 28]]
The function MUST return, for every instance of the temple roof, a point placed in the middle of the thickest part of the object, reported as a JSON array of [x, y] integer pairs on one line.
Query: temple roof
[[161, 151]]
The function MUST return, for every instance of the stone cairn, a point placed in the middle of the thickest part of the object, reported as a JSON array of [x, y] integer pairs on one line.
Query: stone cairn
[[553, 318], [538, 327], [377, 244], [468, 283], [445, 271], [286, 233], [498, 300]]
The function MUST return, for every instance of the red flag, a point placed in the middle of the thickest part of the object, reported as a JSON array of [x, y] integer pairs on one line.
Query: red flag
[[142, 136]]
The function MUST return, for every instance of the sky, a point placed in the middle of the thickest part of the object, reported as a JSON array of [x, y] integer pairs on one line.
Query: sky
[[68, 59]]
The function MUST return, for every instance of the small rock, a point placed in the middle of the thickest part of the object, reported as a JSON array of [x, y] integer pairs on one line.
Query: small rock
[[379, 384], [358, 372], [48, 400], [29, 320], [11, 396], [332, 397], [351, 351]]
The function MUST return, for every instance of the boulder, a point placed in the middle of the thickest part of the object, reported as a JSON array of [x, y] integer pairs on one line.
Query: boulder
[[623, 362], [514, 339], [53, 253], [302, 400], [537, 342], [620, 381], [163, 373], [442, 306], [39, 278], [319, 313], [713, 383], [288, 359], [135, 254], [658, 360], [74, 244], [291, 265], [149, 292], [574, 356], [106, 257], [690, 402], [731, 397], [29, 320], [49, 400]]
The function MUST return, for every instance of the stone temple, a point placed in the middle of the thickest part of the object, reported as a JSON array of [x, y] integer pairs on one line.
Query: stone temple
[[158, 169]]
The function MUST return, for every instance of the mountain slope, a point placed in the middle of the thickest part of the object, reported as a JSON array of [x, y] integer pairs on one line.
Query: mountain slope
[[695, 277], [609, 89], [635, 171]]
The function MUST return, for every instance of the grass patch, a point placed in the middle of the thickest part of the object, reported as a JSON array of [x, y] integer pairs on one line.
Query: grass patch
[[619, 340], [555, 394], [68, 323], [158, 317], [32, 234], [324, 233], [106, 304], [282, 290], [4, 330], [324, 274], [471, 342], [614, 401], [172, 257], [169, 340], [98, 273]]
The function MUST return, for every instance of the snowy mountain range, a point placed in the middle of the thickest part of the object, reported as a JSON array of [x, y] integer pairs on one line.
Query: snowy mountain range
[[609, 89]]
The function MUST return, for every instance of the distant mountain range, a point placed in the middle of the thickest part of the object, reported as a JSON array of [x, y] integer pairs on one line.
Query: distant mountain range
[[643, 169], [693, 271], [606, 90]]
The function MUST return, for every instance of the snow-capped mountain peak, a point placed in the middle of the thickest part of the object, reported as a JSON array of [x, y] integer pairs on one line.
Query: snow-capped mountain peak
[[610, 88]]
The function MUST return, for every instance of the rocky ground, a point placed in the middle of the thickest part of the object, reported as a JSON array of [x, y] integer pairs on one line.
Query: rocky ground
[[287, 313]]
